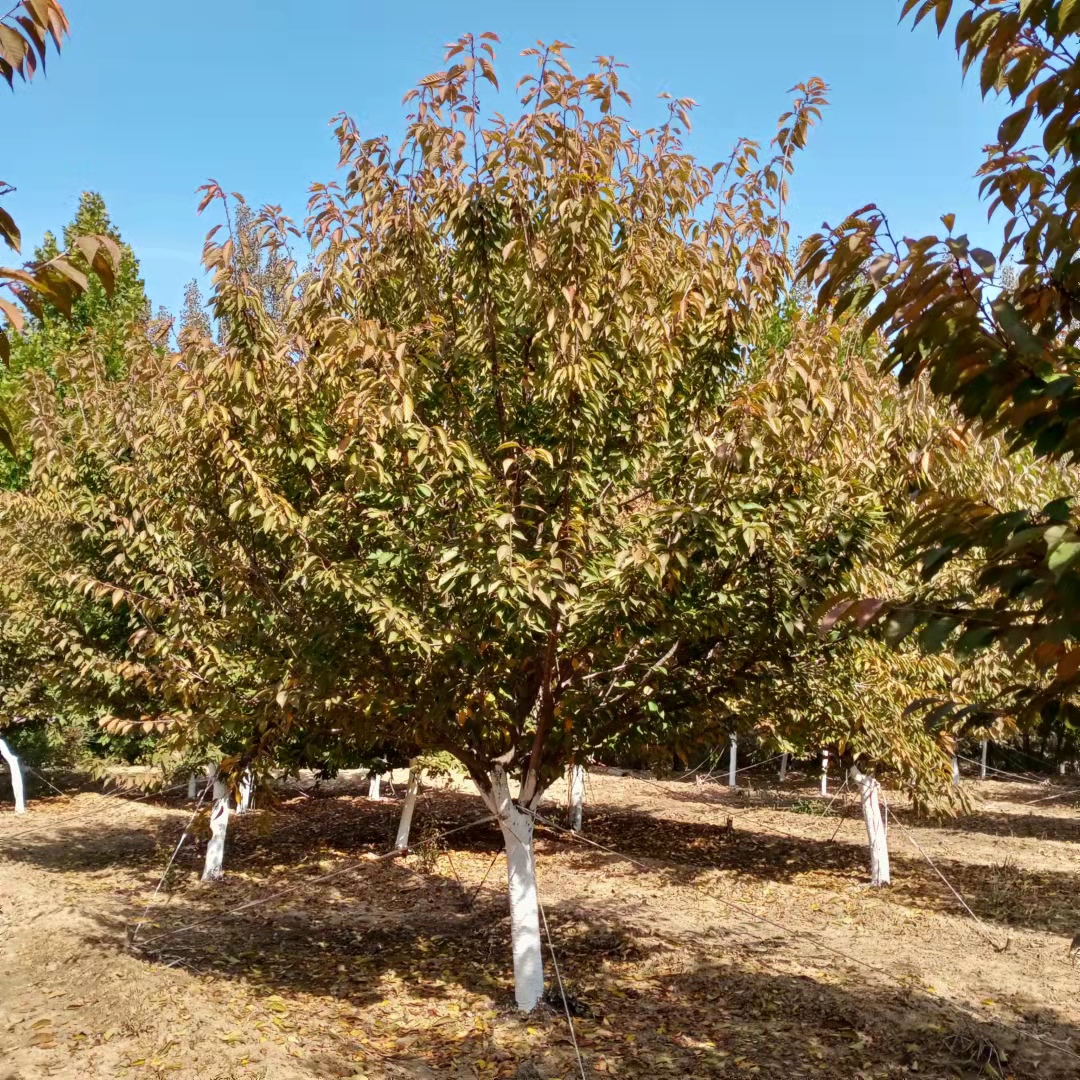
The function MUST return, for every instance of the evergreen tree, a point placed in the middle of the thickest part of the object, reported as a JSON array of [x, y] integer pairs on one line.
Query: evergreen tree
[[103, 316], [110, 317]]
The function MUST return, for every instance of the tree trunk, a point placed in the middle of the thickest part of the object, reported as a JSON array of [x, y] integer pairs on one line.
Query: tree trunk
[[824, 772], [733, 761], [374, 790], [982, 760], [16, 777], [955, 771], [192, 787], [219, 824], [247, 792], [517, 829], [783, 767], [869, 790], [577, 797], [405, 824]]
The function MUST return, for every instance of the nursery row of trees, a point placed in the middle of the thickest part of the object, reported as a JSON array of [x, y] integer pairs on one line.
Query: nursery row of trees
[[541, 450]]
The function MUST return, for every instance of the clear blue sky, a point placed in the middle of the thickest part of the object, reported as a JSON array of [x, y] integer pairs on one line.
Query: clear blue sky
[[152, 97]]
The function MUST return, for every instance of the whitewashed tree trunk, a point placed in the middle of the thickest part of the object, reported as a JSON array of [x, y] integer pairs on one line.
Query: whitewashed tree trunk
[[405, 824], [733, 762], [955, 771], [869, 791], [824, 772], [517, 829], [16, 777], [374, 790], [192, 786], [783, 767], [577, 797], [247, 792], [219, 825], [982, 760]]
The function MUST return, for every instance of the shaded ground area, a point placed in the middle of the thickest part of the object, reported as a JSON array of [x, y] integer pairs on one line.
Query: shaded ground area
[[695, 948]]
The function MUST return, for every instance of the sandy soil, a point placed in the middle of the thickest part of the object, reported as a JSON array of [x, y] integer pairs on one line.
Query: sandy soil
[[688, 946]]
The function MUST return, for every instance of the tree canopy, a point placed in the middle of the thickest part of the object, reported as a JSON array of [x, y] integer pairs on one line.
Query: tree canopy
[[996, 335]]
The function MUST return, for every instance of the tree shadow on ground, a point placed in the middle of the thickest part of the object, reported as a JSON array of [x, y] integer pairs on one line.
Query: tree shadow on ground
[[1006, 894], [310, 836], [403, 972], [390, 964], [1022, 825]]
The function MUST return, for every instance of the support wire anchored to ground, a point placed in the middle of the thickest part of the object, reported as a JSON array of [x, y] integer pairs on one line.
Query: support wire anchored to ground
[[110, 800], [172, 859], [366, 860], [562, 993], [984, 929], [808, 936], [1029, 778]]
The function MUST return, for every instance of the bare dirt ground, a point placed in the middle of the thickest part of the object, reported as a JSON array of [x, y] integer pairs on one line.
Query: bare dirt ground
[[697, 950]]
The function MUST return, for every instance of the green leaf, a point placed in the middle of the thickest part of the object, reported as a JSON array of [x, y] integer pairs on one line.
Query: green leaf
[[1062, 556], [936, 632]]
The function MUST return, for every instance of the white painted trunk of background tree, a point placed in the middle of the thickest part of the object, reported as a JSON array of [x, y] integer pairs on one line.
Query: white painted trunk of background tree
[[405, 824], [733, 762], [213, 868], [870, 794], [955, 771], [374, 790], [192, 786], [517, 829], [982, 760], [824, 772], [783, 767], [577, 796], [16, 777], [247, 792]]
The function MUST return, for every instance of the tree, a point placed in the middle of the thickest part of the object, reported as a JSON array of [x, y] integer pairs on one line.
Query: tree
[[194, 320], [1000, 344], [458, 485], [109, 314], [551, 313]]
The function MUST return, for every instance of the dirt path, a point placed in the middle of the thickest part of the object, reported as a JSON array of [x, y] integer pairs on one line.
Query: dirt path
[[697, 950]]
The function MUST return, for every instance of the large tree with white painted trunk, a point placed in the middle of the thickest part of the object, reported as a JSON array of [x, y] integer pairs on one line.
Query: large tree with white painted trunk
[[499, 444], [551, 318]]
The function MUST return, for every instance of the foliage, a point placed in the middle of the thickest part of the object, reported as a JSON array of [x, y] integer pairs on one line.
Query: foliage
[[194, 321], [110, 315], [539, 456], [1002, 347], [57, 279], [473, 459]]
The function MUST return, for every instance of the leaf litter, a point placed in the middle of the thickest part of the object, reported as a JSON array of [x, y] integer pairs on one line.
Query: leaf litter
[[402, 969]]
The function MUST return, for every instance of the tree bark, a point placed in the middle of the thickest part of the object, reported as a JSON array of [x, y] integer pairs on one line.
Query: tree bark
[[219, 825], [577, 797], [982, 760], [955, 771], [517, 826], [824, 772], [16, 777], [405, 824], [192, 786], [375, 786], [783, 767], [733, 761], [869, 791]]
